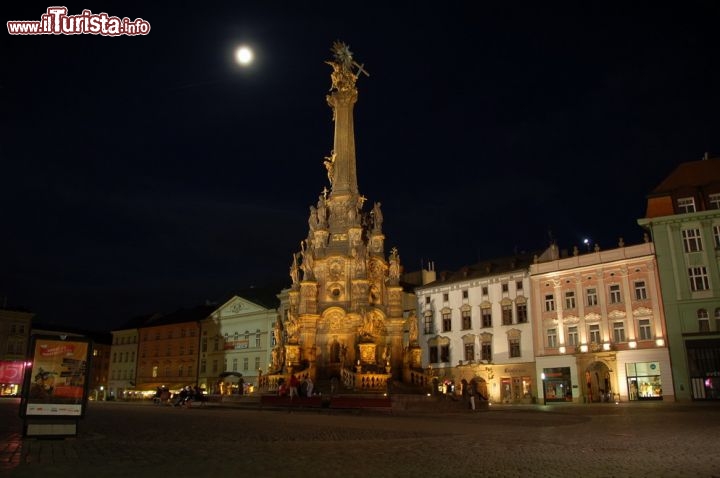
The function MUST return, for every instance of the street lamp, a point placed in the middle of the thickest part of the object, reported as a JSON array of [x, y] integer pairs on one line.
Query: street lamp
[[542, 376]]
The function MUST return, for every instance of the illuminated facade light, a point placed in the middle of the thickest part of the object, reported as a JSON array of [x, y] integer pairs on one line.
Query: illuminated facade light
[[660, 342], [632, 344], [606, 346], [583, 348], [562, 349]]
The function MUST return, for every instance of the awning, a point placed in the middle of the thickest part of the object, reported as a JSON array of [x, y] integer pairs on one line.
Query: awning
[[230, 374], [151, 387]]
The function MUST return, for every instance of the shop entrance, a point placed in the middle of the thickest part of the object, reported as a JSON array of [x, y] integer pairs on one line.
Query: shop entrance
[[598, 387]]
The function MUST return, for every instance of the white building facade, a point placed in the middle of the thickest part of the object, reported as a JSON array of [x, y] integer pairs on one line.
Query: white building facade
[[475, 324], [235, 344]]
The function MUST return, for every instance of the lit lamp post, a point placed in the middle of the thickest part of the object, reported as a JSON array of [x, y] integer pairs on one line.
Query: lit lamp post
[[542, 376]]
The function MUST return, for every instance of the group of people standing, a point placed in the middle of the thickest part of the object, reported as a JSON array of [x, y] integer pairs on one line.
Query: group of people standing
[[296, 388]]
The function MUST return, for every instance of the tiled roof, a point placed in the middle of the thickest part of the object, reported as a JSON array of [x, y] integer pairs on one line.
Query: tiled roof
[[691, 174]]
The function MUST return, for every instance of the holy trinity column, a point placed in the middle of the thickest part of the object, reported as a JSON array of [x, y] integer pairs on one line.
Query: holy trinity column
[[345, 302]]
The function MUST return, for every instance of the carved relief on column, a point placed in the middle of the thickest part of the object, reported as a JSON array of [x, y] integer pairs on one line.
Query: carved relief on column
[[308, 297]]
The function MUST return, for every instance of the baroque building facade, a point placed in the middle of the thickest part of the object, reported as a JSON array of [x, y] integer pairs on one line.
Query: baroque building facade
[[683, 217], [235, 344], [599, 326], [344, 310], [474, 325]]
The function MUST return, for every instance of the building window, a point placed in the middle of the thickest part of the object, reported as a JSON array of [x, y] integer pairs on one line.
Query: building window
[[640, 290], [698, 278], [572, 336], [514, 347], [505, 287], [203, 366], [484, 290], [466, 319], [446, 297], [615, 294], [618, 332], [245, 363], [507, 314], [428, 325], [714, 201], [591, 296], [180, 371], [257, 340], [686, 205], [203, 344], [257, 363], [427, 299], [569, 299], [447, 322], [445, 353], [644, 332], [155, 371], [486, 316], [595, 334], [486, 351], [214, 366], [549, 303], [552, 338], [716, 235], [522, 313], [190, 371], [216, 345], [465, 294], [433, 354], [235, 365], [703, 321], [469, 352], [518, 285], [692, 241]]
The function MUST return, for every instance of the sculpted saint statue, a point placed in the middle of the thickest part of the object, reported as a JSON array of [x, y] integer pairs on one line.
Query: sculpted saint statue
[[413, 328], [377, 217]]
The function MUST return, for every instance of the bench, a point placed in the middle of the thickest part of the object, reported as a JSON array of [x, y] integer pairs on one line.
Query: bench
[[286, 402], [383, 404]]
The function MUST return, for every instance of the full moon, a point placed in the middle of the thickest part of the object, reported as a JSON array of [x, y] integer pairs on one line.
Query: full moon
[[244, 55]]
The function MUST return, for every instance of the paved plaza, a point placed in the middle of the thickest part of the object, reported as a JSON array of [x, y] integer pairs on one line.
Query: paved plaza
[[602, 440]]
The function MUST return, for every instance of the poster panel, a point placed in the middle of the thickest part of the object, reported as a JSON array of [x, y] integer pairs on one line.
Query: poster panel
[[56, 382]]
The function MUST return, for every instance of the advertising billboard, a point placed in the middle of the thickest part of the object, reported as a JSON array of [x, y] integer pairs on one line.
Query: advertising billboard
[[56, 381]]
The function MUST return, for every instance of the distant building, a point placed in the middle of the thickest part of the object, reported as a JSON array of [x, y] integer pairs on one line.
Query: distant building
[[236, 340], [683, 217], [123, 361], [599, 327], [168, 349], [15, 326]]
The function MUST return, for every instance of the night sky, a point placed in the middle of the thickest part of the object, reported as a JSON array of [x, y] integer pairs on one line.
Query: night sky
[[144, 174]]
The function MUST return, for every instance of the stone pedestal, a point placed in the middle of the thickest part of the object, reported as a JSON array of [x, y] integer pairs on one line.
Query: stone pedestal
[[308, 297], [394, 306], [292, 355]]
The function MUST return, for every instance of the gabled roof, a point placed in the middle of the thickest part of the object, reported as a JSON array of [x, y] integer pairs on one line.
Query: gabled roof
[[264, 296], [693, 174]]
